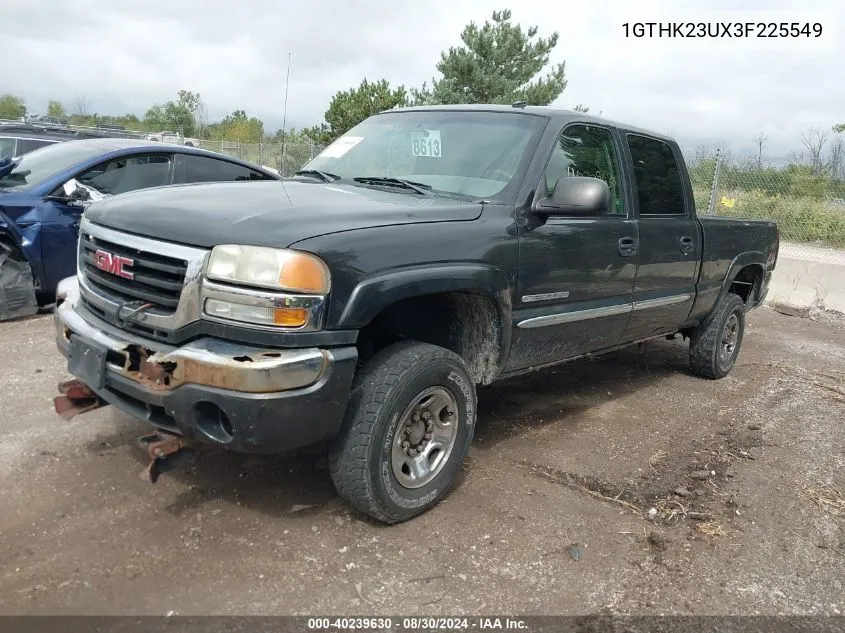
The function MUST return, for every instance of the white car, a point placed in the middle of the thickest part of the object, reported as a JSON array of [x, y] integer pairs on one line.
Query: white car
[[166, 136]]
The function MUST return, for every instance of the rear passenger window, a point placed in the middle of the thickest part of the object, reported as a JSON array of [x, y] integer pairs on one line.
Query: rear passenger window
[[204, 169], [657, 177], [586, 150], [29, 144], [7, 148]]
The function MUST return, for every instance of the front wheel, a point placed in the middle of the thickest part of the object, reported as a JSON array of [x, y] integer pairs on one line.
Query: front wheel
[[408, 427], [714, 345]]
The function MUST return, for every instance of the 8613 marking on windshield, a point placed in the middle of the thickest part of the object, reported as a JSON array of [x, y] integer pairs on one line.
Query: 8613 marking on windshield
[[426, 143]]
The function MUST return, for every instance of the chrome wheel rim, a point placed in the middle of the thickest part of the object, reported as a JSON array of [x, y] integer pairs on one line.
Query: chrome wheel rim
[[730, 337], [425, 437]]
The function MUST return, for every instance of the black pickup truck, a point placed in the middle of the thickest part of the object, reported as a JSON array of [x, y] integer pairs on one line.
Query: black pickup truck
[[360, 303]]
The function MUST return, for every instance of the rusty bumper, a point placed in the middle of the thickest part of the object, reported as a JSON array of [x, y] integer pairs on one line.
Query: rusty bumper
[[247, 398], [206, 361]]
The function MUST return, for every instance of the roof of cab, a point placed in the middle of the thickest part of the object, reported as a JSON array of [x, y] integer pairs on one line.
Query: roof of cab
[[544, 111]]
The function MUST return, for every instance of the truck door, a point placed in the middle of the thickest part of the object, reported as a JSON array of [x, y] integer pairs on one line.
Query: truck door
[[575, 275], [670, 240]]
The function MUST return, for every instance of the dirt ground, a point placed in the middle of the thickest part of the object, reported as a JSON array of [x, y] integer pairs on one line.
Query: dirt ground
[[616, 485]]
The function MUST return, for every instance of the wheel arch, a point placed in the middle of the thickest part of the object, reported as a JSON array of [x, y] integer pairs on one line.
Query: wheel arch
[[464, 308]]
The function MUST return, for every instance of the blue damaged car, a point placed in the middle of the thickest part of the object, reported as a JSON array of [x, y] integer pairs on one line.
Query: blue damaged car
[[44, 193]]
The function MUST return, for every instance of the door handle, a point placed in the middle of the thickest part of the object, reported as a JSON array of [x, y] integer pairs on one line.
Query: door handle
[[687, 244], [627, 246]]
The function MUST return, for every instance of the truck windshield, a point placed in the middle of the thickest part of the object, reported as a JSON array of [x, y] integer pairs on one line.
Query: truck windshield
[[465, 153], [37, 166]]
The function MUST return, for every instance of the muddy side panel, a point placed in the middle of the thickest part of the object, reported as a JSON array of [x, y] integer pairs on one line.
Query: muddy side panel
[[17, 291]]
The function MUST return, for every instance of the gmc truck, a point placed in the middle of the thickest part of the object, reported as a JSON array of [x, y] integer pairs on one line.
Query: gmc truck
[[360, 303]]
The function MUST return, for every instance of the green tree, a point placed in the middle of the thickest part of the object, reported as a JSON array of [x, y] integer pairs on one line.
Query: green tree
[[839, 128], [349, 107], [154, 118], [581, 108], [237, 127], [498, 63], [12, 107], [56, 109], [175, 115], [320, 134]]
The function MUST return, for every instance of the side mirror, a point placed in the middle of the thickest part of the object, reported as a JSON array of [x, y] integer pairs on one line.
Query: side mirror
[[79, 195], [577, 195], [75, 192], [72, 193]]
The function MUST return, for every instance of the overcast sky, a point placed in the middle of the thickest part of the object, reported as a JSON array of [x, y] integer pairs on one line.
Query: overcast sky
[[123, 56]]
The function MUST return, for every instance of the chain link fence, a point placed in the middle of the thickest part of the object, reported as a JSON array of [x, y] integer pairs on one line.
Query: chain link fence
[[805, 198], [285, 158]]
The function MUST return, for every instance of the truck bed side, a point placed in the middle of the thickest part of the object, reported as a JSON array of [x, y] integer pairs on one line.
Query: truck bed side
[[738, 253]]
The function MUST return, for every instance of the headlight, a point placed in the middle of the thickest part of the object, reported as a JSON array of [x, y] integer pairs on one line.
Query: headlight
[[274, 268], [233, 311]]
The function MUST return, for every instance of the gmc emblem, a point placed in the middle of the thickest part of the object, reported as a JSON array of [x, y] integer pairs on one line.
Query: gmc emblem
[[113, 264]]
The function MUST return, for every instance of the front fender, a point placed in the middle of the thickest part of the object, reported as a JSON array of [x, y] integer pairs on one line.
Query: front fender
[[17, 290], [27, 240], [7, 226], [375, 293]]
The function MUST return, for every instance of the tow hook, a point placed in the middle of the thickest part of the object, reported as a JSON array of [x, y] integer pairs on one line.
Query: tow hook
[[163, 448], [76, 398]]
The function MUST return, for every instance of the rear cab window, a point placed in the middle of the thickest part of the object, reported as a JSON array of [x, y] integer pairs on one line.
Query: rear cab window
[[657, 177]]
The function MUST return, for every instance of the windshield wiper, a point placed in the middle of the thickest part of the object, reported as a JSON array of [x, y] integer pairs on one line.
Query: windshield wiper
[[322, 175], [418, 187]]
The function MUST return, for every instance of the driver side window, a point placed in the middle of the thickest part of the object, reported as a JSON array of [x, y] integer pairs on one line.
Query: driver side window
[[129, 173], [586, 150]]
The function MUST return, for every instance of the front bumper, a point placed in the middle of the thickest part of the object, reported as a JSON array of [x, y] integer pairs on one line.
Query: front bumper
[[246, 398]]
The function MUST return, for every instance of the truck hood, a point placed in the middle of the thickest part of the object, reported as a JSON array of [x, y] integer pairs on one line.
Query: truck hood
[[268, 213]]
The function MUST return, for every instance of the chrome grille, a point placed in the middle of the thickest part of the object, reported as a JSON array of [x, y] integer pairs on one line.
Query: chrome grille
[[156, 279], [164, 274]]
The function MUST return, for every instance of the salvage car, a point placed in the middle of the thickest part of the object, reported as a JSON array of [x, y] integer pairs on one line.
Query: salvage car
[[44, 193], [425, 252], [17, 139]]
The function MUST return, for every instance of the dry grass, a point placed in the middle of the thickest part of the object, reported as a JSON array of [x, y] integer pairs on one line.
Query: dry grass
[[711, 529], [828, 500], [635, 509], [669, 509], [657, 460]]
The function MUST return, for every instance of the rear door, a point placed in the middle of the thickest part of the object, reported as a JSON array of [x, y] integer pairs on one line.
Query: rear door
[[576, 274], [670, 240]]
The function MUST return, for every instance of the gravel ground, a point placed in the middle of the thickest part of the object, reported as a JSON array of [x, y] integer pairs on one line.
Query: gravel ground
[[616, 485]]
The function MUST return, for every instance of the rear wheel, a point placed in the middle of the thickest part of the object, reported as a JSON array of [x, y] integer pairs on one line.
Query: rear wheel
[[714, 345], [408, 426]]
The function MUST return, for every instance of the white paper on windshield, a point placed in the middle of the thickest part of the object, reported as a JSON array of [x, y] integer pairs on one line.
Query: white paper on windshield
[[426, 143], [341, 146]]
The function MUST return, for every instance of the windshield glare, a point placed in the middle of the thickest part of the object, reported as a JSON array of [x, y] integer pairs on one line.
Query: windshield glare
[[475, 154], [38, 165]]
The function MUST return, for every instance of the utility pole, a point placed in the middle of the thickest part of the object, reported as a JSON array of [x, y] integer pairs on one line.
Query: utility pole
[[285, 122]]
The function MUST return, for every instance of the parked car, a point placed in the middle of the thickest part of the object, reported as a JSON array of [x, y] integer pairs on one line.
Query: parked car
[[47, 120], [44, 193], [17, 139], [167, 136], [423, 253]]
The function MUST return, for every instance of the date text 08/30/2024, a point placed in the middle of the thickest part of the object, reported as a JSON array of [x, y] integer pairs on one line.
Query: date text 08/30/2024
[[723, 29], [417, 624]]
